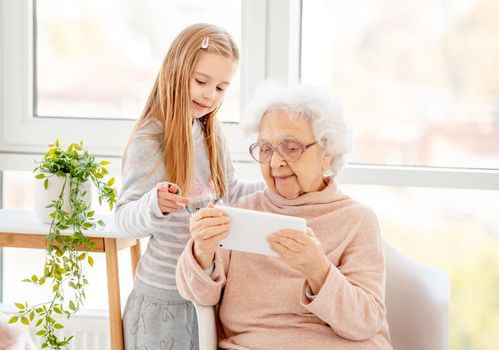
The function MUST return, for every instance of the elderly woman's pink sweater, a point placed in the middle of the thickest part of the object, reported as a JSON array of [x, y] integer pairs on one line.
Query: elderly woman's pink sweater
[[263, 302]]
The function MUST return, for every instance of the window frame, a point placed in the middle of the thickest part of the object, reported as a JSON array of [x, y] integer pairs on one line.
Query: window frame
[[24, 133], [271, 48]]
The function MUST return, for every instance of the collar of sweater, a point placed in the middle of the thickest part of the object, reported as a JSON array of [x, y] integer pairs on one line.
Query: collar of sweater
[[329, 194]]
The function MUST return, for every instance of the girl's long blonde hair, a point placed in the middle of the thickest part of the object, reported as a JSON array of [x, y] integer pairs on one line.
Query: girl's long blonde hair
[[169, 103]]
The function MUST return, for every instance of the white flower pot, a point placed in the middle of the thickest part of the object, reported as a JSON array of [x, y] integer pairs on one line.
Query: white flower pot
[[44, 197]]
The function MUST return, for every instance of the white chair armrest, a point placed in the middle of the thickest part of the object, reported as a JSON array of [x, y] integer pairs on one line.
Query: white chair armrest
[[417, 301], [207, 327]]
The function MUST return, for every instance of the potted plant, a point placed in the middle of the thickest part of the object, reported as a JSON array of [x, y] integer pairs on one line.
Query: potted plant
[[65, 253]]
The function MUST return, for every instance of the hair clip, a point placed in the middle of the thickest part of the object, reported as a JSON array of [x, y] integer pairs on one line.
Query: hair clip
[[204, 44]]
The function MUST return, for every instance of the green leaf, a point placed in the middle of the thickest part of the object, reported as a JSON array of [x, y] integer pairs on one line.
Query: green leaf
[[13, 319], [25, 321], [87, 225], [20, 306], [62, 266]]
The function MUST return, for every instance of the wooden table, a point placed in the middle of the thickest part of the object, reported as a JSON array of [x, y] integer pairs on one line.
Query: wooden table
[[21, 229]]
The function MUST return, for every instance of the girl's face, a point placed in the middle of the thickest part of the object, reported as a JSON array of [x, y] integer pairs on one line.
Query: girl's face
[[210, 78]]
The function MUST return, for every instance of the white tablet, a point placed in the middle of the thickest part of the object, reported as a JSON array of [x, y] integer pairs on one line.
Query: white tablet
[[249, 229]]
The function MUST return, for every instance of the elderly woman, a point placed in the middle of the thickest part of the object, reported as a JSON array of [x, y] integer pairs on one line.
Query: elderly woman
[[325, 290]]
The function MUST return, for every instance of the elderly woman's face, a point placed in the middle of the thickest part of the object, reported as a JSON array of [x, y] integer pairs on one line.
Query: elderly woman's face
[[292, 178]]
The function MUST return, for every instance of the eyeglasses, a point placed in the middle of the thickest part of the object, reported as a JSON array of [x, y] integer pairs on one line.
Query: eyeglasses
[[289, 150]]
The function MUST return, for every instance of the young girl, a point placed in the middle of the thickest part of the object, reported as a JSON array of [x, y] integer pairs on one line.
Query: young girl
[[176, 161]]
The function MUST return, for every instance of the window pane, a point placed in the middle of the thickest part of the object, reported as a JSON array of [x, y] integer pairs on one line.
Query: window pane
[[417, 78], [100, 58], [455, 231]]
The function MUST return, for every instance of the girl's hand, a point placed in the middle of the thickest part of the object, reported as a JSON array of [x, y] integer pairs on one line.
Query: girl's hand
[[302, 252], [168, 200], [208, 227]]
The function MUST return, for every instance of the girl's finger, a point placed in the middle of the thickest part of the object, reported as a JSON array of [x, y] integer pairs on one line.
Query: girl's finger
[[164, 187], [167, 209], [173, 188], [169, 203], [171, 191], [174, 197]]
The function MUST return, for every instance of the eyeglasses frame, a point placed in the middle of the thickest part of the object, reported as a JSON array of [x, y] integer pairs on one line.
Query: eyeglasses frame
[[303, 147]]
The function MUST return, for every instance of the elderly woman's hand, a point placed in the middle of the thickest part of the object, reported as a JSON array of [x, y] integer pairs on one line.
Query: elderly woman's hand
[[303, 252], [208, 227]]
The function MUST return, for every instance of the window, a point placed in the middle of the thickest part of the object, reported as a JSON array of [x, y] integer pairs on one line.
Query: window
[[453, 230], [37, 70], [82, 70], [415, 77], [99, 59]]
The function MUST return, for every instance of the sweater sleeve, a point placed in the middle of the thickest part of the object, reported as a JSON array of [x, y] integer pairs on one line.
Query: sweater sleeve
[[196, 284], [351, 299], [137, 212]]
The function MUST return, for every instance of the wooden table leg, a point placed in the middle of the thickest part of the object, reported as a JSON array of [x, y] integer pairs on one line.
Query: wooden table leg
[[113, 287], [135, 255]]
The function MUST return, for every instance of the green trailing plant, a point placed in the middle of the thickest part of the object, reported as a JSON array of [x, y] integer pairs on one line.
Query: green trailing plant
[[66, 254]]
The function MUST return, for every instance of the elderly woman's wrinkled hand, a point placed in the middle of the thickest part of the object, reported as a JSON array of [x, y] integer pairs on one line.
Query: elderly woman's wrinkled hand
[[302, 252], [208, 227]]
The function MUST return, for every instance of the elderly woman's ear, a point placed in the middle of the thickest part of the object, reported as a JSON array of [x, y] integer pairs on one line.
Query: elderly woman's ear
[[326, 162]]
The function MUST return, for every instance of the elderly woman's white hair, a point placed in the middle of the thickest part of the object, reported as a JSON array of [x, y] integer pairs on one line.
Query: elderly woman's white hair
[[317, 104]]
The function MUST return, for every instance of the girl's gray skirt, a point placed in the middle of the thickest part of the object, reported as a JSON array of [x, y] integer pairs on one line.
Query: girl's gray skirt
[[157, 319]]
